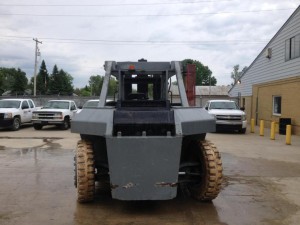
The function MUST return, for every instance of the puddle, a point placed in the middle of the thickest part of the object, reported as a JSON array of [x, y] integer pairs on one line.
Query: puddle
[[44, 138], [35, 142]]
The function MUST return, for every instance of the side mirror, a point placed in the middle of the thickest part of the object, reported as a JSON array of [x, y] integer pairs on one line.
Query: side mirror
[[206, 108], [25, 107], [242, 108]]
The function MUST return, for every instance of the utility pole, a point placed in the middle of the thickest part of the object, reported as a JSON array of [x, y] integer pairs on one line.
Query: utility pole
[[35, 63]]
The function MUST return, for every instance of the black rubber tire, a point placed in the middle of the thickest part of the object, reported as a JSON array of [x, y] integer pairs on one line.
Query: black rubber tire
[[16, 124], [65, 125], [243, 130], [37, 126], [85, 171], [211, 169]]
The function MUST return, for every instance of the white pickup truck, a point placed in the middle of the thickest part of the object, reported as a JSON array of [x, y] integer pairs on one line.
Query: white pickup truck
[[15, 112], [228, 115], [55, 112]]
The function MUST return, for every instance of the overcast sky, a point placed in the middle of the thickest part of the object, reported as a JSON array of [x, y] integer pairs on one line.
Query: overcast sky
[[78, 36]]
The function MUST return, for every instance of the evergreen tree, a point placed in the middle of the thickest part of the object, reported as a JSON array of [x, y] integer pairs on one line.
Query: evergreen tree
[[60, 82], [42, 79], [66, 83]]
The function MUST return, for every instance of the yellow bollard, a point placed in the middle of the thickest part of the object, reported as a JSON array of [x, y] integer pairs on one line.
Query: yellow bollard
[[288, 136], [252, 125], [272, 135], [262, 128], [276, 127]]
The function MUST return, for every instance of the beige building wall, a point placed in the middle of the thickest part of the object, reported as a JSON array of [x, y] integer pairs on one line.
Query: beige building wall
[[262, 102], [246, 103]]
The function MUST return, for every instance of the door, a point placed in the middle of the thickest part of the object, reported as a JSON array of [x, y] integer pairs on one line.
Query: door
[[27, 112]]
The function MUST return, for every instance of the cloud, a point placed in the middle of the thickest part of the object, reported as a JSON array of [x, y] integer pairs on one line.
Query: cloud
[[85, 58]]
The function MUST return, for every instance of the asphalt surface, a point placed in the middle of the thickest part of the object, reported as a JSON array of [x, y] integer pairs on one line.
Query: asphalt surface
[[261, 184]]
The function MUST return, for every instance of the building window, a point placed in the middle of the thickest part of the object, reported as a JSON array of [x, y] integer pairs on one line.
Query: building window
[[277, 105], [292, 48]]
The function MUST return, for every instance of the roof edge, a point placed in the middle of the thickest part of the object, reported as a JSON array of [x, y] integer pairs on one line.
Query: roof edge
[[263, 50]]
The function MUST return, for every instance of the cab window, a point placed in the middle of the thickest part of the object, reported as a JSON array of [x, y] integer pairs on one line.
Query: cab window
[[31, 104], [73, 107], [25, 105]]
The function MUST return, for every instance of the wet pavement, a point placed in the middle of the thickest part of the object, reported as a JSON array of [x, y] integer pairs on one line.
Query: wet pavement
[[261, 185]]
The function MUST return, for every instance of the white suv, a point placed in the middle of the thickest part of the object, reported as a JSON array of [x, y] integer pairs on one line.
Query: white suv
[[228, 115]]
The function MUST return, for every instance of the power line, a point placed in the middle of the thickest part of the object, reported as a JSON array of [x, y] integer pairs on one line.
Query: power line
[[138, 42], [119, 4], [158, 15]]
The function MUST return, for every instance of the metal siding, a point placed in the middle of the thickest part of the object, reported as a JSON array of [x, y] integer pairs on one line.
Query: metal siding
[[263, 69]]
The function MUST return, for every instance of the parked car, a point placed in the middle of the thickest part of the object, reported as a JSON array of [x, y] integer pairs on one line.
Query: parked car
[[228, 115], [89, 104], [16, 112], [55, 112], [93, 103]]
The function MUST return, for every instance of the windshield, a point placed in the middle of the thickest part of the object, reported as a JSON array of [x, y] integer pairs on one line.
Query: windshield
[[223, 105], [10, 104], [56, 105], [91, 104]]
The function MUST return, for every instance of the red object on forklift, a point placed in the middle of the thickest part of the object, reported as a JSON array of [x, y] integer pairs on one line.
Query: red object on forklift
[[190, 83]]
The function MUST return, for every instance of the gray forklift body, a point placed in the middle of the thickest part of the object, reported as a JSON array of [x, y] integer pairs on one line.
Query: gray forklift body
[[143, 163]]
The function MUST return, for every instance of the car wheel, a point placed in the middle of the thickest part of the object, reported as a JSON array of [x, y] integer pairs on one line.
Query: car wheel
[[65, 125], [243, 130], [16, 124]]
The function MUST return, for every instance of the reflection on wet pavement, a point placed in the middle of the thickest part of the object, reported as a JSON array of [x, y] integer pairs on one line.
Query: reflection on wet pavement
[[37, 188]]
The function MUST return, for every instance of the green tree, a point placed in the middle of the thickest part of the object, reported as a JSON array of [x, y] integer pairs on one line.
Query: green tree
[[203, 73], [12, 79], [42, 79], [60, 82], [113, 86], [7, 78], [67, 82], [20, 81], [2, 80], [86, 91], [236, 74], [95, 83], [54, 81]]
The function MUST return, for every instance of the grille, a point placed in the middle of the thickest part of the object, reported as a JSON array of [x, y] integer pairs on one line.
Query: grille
[[45, 116], [228, 117]]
